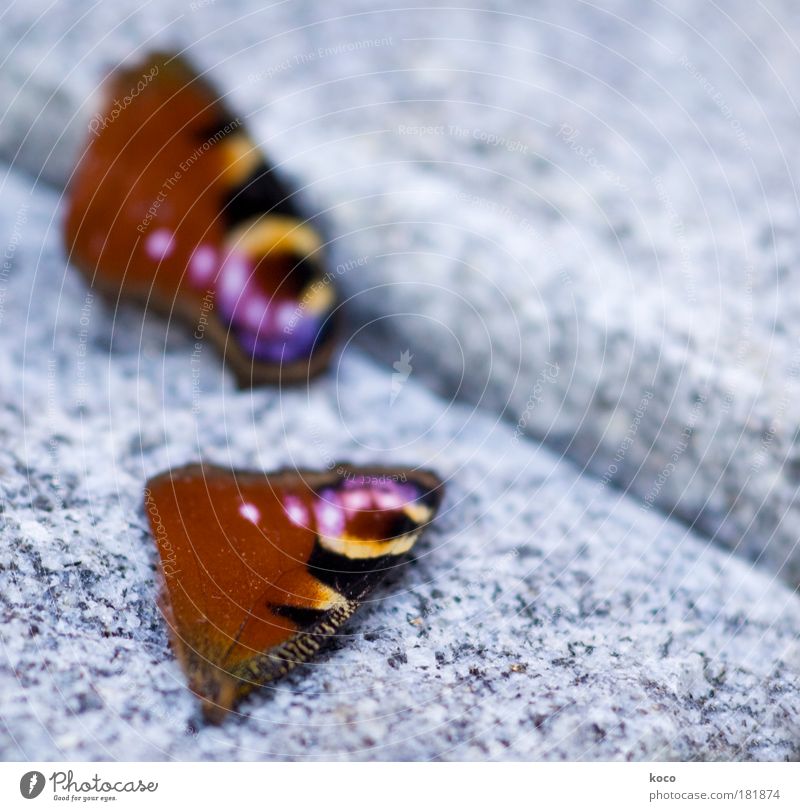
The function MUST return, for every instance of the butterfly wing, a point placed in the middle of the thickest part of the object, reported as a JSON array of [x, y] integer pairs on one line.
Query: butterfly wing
[[259, 570], [174, 206]]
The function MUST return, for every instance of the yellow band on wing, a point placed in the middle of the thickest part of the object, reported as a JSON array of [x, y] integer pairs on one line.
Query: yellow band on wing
[[321, 598], [274, 232], [318, 298], [363, 548], [240, 159]]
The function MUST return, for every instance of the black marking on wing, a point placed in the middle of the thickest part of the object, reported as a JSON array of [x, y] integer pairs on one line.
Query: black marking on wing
[[353, 578], [302, 617], [303, 273], [431, 495], [401, 524], [261, 193]]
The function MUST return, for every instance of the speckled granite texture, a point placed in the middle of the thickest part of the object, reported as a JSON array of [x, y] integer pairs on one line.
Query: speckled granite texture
[[612, 190], [546, 616], [583, 222]]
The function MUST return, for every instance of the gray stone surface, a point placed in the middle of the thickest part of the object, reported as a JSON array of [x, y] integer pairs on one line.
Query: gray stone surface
[[559, 279], [546, 615], [612, 190]]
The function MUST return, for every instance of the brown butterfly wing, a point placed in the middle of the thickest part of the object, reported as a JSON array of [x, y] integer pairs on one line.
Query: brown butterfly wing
[[260, 570], [172, 205]]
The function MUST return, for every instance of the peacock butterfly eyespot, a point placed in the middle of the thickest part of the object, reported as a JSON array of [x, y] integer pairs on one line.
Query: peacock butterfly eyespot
[[173, 205], [259, 570]]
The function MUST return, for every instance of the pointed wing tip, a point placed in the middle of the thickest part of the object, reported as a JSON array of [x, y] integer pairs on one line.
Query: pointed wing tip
[[218, 702], [213, 714]]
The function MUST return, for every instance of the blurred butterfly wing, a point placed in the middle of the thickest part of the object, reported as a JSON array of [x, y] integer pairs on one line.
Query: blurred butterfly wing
[[174, 206], [129, 184]]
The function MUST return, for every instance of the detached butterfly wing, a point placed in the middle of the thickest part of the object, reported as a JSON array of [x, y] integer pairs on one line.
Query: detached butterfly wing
[[259, 570], [173, 205]]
